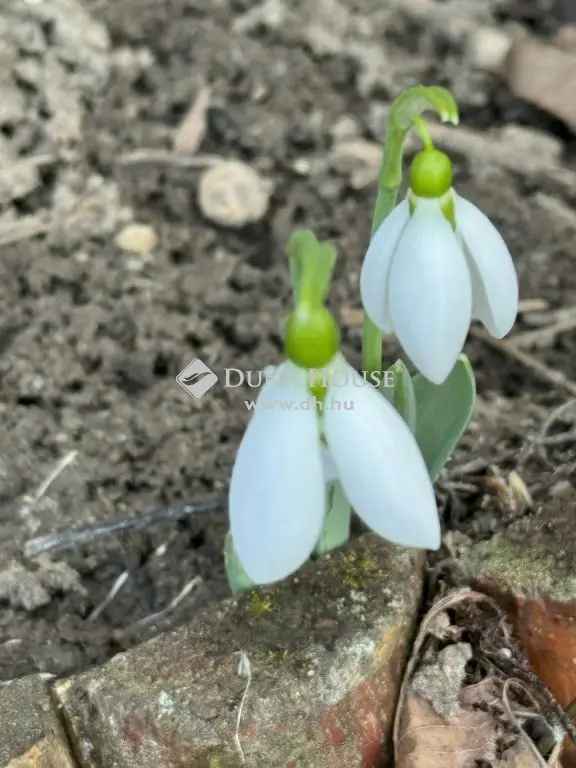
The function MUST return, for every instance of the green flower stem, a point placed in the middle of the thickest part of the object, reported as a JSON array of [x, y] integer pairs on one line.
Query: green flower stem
[[405, 113], [423, 131]]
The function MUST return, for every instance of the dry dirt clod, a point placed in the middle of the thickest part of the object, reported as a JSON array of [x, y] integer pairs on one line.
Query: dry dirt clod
[[84, 209], [31, 589], [270, 15], [18, 177], [233, 194], [22, 589], [55, 48], [440, 682], [357, 159], [346, 127]]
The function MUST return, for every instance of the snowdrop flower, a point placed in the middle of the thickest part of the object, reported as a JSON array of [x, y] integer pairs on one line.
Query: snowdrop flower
[[435, 263], [292, 449]]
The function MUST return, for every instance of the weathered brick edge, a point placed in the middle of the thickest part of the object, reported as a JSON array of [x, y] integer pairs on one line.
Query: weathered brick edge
[[327, 650]]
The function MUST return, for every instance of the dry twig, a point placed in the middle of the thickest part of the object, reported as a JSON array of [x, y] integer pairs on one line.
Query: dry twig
[[25, 228], [539, 369], [116, 587], [542, 438], [563, 320], [244, 670], [192, 129], [31, 501], [159, 615], [166, 157]]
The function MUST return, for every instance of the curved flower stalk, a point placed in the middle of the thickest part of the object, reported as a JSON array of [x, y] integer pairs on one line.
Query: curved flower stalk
[[405, 113], [322, 439], [435, 263]]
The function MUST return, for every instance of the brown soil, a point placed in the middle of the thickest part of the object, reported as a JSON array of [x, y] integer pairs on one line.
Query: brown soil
[[91, 341]]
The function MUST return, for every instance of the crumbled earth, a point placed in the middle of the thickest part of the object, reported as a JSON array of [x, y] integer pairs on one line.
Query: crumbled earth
[[92, 333]]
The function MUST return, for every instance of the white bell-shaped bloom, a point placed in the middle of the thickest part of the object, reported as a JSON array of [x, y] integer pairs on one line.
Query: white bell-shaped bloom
[[288, 454], [425, 281]]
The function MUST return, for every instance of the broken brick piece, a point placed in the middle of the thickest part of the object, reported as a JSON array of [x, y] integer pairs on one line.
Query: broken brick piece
[[326, 651]]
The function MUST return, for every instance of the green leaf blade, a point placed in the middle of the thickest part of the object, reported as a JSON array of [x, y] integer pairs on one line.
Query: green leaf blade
[[238, 579], [443, 413], [336, 530], [404, 396]]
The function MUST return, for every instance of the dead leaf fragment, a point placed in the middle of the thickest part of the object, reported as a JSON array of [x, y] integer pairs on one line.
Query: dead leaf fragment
[[442, 721], [428, 740], [550, 85]]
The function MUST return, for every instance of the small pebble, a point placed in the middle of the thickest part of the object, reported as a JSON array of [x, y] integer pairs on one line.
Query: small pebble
[[232, 194], [302, 166], [137, 238], [487, 48]]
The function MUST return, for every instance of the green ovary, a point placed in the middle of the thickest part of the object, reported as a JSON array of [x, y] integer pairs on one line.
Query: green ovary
[[312, 337], [431, 173]]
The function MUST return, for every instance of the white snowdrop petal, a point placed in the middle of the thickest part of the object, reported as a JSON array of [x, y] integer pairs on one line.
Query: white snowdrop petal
[[430, 293], [376, 266], [494, 279], [379, 463], [277, 491]]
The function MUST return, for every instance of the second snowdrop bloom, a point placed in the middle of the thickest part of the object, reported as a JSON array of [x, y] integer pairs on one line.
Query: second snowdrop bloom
[[292, 449], [435, 263]]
